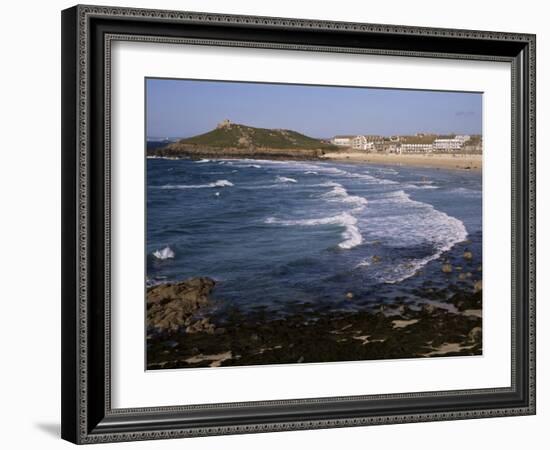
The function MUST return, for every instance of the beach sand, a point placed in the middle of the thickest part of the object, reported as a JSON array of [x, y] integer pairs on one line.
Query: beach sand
[[442, 161]]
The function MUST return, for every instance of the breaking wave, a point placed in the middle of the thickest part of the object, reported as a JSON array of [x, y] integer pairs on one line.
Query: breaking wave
[[165, 253], [219, 183], [351, 234], [339, 193], [409, 223], [285, 179]]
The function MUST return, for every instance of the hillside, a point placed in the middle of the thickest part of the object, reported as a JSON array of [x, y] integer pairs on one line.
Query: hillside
[[228, 134], [231, 139]]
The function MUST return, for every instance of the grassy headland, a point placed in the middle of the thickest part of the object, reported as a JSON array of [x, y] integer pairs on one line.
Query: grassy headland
[[231, 140]]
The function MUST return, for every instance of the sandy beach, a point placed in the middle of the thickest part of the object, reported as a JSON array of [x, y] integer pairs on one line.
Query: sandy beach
[[442, 161]]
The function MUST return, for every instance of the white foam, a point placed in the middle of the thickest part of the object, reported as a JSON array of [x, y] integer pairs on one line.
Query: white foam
[[466, 191], [351, 234], [421, 186], [340, 194], [370, 179], [200, 161], [218, 183], [171, 158], [285, 179], [245, 163], [165, 253], [412, 223], [387, 171]]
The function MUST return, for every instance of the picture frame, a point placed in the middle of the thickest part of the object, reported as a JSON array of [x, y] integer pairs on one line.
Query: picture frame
[[87, 413]]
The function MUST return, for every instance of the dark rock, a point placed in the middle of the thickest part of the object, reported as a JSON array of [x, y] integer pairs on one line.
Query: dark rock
[[464, 300], [446, 268], [170, 307], [199, 326], [474, 336], [478, 285], [402, 309]]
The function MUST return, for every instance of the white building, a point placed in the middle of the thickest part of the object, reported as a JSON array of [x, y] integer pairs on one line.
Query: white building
[[448, 145], [416, 148], [342, 141], [463, 137], [393, 148], [362, 143]]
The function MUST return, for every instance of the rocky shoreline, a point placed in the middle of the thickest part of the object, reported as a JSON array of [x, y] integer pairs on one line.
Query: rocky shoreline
[[179, 150], [183, 331]]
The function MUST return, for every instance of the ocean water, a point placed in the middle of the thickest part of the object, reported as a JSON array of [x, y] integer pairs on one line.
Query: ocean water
[[279, 233]]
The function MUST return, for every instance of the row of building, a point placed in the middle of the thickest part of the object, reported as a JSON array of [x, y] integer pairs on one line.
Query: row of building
[[420, 143]]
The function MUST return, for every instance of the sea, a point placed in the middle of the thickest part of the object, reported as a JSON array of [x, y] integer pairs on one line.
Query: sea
[[276, 234]]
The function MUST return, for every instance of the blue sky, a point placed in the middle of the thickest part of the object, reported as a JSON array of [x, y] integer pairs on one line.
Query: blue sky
[[182, 108]]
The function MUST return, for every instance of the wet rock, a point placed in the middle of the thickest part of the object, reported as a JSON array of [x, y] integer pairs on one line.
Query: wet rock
[[462, 276], [199, 326], [474, 335], [349, 295], [403, 309], [464, 300], [316, 334], [478, 285], [429, 309], [171, 306], [376, 259], [447, 268], [468, 255]]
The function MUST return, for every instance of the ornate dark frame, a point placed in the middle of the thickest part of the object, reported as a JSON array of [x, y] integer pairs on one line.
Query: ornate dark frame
[[87, 33]]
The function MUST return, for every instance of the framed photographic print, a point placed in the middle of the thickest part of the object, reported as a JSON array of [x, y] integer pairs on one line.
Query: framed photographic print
[[281, 224]]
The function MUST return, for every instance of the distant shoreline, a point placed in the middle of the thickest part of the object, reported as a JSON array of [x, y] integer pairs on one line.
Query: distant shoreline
[[433, 160], [453, 161]]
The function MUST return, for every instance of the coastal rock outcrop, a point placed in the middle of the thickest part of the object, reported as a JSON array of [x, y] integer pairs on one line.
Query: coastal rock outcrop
[[171, 306]]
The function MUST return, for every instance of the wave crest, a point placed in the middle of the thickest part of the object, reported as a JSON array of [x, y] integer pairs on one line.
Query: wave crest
[[218, 183], [340, 194], [419, 223], [351, 234], [285, 179], [165, 253]]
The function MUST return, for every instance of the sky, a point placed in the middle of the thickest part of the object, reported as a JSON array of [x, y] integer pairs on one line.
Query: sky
[[184, 108]]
